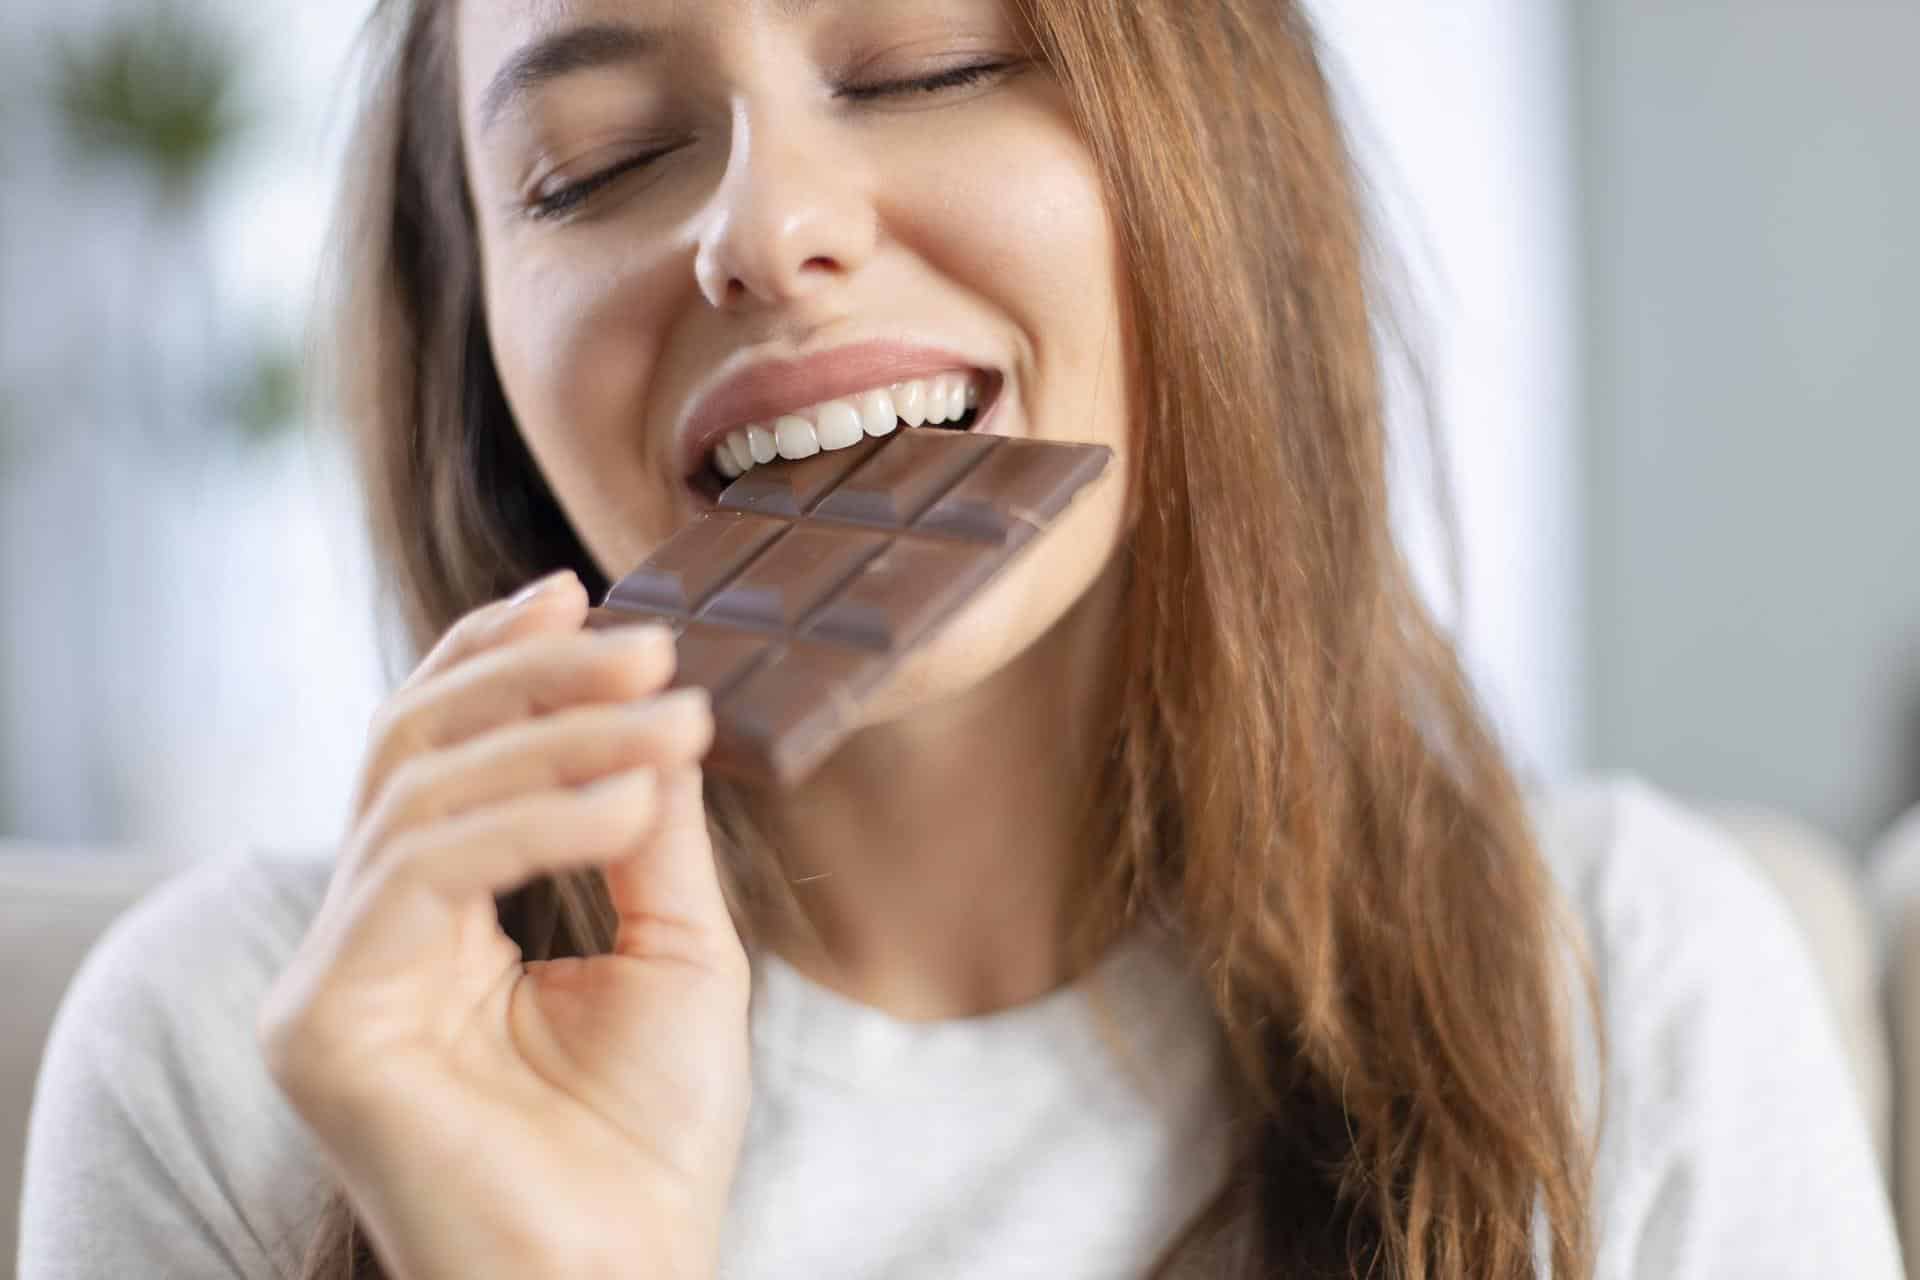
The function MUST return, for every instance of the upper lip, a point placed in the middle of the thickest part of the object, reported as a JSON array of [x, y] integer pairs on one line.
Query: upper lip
[[763, 389]]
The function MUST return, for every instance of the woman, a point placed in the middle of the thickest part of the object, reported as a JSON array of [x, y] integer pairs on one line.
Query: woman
[[1174, 913]]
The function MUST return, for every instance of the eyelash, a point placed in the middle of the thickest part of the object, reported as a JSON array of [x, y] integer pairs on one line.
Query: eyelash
[[953, 78], [557, 205]]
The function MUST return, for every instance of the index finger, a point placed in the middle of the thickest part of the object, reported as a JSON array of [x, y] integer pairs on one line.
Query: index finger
[[557, 602]]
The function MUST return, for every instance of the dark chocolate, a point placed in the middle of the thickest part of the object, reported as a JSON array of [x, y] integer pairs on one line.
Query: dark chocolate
[[809, 583]]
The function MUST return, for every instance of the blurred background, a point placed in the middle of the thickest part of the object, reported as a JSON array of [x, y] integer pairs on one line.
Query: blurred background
[[1667, 255]]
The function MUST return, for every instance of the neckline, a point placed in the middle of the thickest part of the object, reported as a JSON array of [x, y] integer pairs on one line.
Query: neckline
[[1135, 988]]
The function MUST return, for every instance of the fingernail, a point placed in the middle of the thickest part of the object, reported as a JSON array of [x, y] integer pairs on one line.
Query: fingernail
[[540, 588], [637, 635], [622, 785], [687, 698]]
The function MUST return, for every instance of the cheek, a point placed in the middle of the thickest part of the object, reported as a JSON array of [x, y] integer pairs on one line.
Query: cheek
[[1019, 194], [1051, 247], [577, 339], [1023, 225], [573, 341], [1025, 214]]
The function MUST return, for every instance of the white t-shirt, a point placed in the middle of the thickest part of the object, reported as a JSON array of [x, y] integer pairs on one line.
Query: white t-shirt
[[1069, 1138]]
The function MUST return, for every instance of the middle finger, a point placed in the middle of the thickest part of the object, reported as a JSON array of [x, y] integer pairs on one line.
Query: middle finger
[[566, 750]]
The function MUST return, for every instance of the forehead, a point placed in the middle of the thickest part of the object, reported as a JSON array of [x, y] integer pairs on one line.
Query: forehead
[[507, 19], [506, 49], [491, 32], [494, 28]]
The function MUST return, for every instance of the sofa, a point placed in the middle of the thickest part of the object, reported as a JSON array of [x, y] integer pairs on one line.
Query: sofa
[[53, 905], [1861, 919]]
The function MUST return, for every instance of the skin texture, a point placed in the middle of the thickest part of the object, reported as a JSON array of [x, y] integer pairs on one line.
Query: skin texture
[[803, 202]]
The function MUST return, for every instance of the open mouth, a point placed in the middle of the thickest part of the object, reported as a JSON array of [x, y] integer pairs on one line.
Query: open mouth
[[951, 401]]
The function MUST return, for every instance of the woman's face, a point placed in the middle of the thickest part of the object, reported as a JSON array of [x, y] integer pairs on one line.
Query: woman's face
[[702, 217]]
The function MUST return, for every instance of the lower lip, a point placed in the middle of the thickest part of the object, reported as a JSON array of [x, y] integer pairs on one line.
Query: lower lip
[[704, 501]]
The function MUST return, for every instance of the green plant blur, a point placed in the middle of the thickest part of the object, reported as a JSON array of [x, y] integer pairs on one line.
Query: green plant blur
[[159, 89]]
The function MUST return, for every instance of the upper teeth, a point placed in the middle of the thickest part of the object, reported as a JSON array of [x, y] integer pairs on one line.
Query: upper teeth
[[839, 424]]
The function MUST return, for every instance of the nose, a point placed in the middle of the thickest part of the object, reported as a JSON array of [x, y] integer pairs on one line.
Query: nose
[[790, 217]]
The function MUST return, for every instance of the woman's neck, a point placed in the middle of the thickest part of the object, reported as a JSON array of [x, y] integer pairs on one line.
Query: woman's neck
[[933, 854]]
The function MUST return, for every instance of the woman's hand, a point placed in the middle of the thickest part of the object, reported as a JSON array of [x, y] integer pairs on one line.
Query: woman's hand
[[489, 1117]]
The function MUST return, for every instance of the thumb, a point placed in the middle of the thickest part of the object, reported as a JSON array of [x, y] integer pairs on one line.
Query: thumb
[[667, 896]]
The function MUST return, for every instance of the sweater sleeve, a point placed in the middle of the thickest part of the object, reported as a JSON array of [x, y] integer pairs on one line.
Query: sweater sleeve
[[1733, 1142], [158, 1145]]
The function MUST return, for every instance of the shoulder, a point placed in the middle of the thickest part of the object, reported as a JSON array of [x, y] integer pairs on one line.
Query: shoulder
[[1732, 1140], [1625, 853], [1683, 931], [155, 1117], [249, 911], [1679, 929], [189, 962], [1660, 890]]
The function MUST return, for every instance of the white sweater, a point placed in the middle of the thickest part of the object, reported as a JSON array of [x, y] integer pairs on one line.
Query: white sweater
[[1064, 1139]]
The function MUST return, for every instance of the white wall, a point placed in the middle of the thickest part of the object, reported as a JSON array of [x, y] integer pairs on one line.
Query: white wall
[[186, 653], [1465, 124], [1754, 215]]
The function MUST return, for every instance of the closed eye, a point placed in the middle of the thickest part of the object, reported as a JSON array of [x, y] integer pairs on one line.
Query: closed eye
[[560, 203], [953, 78]]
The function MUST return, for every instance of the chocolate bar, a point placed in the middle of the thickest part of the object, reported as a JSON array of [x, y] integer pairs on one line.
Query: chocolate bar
[[811, 581]]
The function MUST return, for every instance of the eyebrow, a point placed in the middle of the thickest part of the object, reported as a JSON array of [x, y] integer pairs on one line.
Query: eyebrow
[[581, 48]]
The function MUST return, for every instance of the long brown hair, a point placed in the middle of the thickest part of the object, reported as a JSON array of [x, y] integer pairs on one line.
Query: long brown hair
[[1300, 780]]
